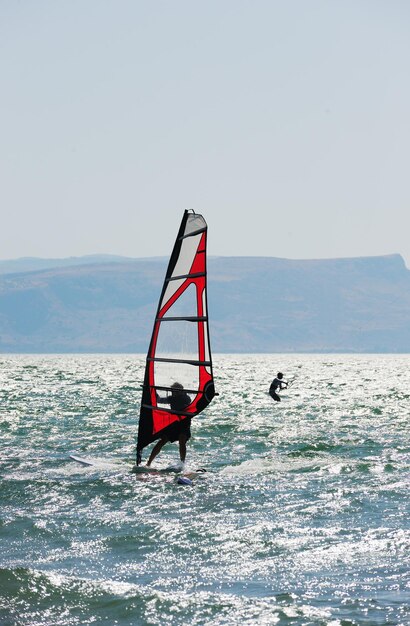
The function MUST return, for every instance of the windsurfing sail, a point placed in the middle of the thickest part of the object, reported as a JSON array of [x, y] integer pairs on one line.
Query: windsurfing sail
[[179, 356]]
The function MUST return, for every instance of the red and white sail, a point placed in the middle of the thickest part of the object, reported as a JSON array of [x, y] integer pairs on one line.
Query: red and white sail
[[179, 350]]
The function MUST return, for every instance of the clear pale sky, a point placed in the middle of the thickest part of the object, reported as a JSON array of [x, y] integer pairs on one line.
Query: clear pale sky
[[286, 123]]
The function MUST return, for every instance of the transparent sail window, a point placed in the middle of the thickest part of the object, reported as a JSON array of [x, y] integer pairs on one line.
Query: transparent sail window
[[167, 374], [177, 340]]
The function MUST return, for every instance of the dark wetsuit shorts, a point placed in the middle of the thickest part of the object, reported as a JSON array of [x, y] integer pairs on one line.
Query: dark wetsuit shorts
[[173, 431]]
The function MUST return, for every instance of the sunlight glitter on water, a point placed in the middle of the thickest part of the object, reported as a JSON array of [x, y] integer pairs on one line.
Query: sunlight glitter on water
[[301, 518]]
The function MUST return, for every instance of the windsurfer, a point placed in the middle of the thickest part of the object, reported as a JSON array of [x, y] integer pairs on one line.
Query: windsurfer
[[277, 384], [179, 430]]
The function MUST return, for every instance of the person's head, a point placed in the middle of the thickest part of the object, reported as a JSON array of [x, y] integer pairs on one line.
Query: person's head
[[177, 387], [280, 375]]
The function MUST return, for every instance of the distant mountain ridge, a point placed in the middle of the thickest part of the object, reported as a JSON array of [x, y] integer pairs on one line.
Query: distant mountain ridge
[[33, 264], [106, 303]]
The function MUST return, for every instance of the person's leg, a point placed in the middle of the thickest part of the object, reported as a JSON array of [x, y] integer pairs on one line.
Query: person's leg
[[182, 446], [156, 450], [274, 396]]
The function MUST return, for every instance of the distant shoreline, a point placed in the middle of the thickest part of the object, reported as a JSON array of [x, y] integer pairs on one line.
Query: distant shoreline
[[257, 305]]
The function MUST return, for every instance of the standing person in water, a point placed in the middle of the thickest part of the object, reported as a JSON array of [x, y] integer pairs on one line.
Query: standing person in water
[[277, 384], [179, 430]]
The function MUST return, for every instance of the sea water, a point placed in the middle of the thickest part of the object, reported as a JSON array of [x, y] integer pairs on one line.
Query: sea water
[[301, 518]]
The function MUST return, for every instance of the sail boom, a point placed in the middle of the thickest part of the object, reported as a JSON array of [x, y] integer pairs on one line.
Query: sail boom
[[161, 388], [169, 411]]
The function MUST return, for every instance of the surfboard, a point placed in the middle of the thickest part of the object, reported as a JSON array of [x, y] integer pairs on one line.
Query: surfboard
[[99, 463], [180, 476], [81, 460], [173, 473], [143, 469]]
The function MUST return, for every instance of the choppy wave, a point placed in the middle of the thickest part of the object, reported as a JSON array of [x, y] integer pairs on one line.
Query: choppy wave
[[301, 518], [41, 598]]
